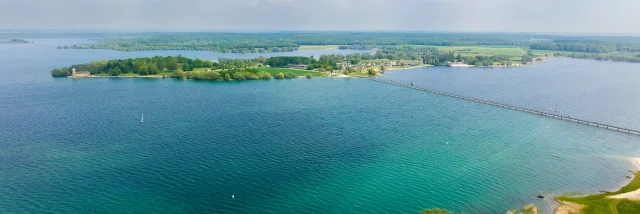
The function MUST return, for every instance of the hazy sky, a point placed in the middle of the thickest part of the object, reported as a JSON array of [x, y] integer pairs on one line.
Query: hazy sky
[[579, 16]]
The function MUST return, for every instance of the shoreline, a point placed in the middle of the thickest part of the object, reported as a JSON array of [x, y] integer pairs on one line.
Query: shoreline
[[418, 66], [568, 204]]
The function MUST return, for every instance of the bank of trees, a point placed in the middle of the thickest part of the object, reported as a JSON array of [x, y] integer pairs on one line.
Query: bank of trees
[[233, 74], [282, 42], [61, 72], [141, 66], [283, 61], [586, 46], [604, 57], [154, 65]]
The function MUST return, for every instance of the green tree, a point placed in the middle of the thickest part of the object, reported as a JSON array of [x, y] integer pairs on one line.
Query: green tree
[[207, 64], [382, 68], [239, 75], [178, 73], [186, 67], [115, 71], [308, 76], [143, 70], [153, 69], [279, 75], [60, 72], [371, 71], [351, 70], [264, 75], [172, 63], [227, 76], [290, 75]]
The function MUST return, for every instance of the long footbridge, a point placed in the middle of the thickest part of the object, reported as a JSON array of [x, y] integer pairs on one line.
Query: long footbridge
[[595, 124]]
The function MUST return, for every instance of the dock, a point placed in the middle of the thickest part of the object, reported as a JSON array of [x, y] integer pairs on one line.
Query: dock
[[560, 117]]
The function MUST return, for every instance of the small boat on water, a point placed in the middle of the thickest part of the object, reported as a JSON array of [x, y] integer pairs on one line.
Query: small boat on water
[[411, 83], [142, 118]]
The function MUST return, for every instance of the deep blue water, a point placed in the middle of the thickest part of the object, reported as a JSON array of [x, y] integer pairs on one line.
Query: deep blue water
[[291, 146]]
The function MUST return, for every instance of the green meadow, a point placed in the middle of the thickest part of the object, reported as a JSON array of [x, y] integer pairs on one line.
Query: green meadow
[[601, 203]]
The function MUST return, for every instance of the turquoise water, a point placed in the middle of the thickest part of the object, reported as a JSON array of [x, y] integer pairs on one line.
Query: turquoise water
[[280, 146]]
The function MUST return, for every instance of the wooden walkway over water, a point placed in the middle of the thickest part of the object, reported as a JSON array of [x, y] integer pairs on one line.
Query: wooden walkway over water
[[600, 125]]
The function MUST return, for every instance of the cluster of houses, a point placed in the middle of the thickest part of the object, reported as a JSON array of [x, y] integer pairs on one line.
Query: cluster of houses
[[297, 66], [366, 65], [361, 65]]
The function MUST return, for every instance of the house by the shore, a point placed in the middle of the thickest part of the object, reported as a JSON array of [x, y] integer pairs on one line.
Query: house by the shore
[[458, 64], [79, 74], [297, 66]]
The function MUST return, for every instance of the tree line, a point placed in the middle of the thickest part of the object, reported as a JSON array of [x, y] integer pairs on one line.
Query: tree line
[[177, 67], [586, 46]]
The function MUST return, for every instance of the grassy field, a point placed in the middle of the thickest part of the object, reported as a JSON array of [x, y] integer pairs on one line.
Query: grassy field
[[549, 52], [318, 47], [201, 69], [298, 72], [601, 204], [483, 51]]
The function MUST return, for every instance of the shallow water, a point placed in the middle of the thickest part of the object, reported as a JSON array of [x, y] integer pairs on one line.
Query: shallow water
[[281, 146]]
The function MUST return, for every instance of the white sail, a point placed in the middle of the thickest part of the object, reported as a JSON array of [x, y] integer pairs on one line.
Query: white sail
[[142, 118]]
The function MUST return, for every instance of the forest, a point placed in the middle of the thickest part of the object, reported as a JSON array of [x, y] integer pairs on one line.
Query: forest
[[586, 46], [281, 42], [177, 67], [598, 47]]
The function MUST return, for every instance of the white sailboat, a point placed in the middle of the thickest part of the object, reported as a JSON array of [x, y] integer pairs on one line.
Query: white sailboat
[[142, 118]]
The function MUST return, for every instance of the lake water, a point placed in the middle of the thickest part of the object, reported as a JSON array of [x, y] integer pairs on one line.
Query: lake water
[[606, 92], [291, 146]]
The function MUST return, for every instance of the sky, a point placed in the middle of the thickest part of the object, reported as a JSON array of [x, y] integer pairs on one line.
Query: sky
[[547, 16]]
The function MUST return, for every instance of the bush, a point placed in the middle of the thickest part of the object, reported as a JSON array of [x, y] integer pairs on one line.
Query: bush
[[239, 76], [115, 72], [279, 75], [264, 75], [204, 75], [290, 75], [436, 211], [179, 74], [371, 71], [309, 76], [252, 77]]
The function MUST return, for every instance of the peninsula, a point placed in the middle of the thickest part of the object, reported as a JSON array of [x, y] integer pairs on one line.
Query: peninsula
[[356, 64]]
